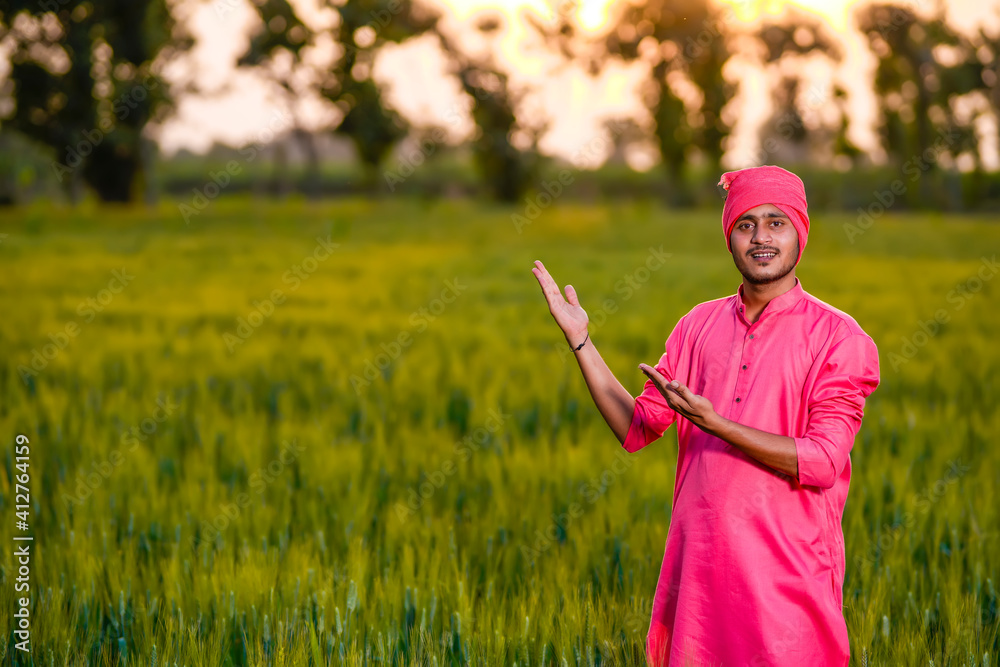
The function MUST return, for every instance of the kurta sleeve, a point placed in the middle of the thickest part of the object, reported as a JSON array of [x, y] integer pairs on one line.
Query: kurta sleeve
[[652, 416], [848, 375]]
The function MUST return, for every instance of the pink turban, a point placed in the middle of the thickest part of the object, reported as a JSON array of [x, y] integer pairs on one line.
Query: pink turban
[[765, 185]]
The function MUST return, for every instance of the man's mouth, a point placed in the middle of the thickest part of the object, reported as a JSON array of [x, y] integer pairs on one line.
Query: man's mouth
[[763, 255]]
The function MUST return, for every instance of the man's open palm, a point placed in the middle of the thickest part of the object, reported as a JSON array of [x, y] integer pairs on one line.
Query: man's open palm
[[568, 313]]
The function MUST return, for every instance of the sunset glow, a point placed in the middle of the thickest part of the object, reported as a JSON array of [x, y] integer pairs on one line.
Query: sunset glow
[[575, 101]]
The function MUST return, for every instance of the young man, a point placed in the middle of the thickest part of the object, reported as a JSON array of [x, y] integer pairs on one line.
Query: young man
[[767, 388]]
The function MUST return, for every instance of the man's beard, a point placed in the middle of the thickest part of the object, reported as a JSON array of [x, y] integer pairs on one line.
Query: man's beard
[[767, 279]]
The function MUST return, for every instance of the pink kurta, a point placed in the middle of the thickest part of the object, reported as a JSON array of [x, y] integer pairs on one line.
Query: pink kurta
[[753, 567]]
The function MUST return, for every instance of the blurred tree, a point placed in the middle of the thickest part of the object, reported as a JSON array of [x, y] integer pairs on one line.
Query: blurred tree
[[84, 85], [364, 27], [361, 29], [280, 35], [507, 169], [671, 127], [923, 65], [989, 55], [783, 136], [686, 44], [796, 130], [842, 145], [625, 133]]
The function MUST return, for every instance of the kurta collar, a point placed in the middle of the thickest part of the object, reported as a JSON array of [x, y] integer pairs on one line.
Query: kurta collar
[[777, 304]]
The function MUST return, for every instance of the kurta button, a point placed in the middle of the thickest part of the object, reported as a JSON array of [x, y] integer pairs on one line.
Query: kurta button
[[737, 400], [744, 366], [751, 335]]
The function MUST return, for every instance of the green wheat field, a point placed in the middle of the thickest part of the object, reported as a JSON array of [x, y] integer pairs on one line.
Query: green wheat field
[[351, 433]]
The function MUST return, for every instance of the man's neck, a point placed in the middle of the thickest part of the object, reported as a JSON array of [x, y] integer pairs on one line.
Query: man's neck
[[756, 297]]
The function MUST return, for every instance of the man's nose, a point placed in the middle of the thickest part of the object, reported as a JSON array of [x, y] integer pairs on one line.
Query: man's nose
[[761, 235]]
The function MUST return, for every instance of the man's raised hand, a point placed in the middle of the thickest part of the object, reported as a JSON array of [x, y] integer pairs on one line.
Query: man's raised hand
[[567, 313]]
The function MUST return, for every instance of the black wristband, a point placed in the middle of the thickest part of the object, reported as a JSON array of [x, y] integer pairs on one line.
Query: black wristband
[[581, 344]]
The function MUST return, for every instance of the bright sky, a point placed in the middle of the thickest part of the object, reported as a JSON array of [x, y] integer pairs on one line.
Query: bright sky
[[242, 108]]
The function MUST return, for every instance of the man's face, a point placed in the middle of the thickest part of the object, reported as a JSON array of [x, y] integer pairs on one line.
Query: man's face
[[765, 244]]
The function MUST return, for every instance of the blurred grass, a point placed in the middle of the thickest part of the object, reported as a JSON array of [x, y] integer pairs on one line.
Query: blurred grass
[[320, 561]]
